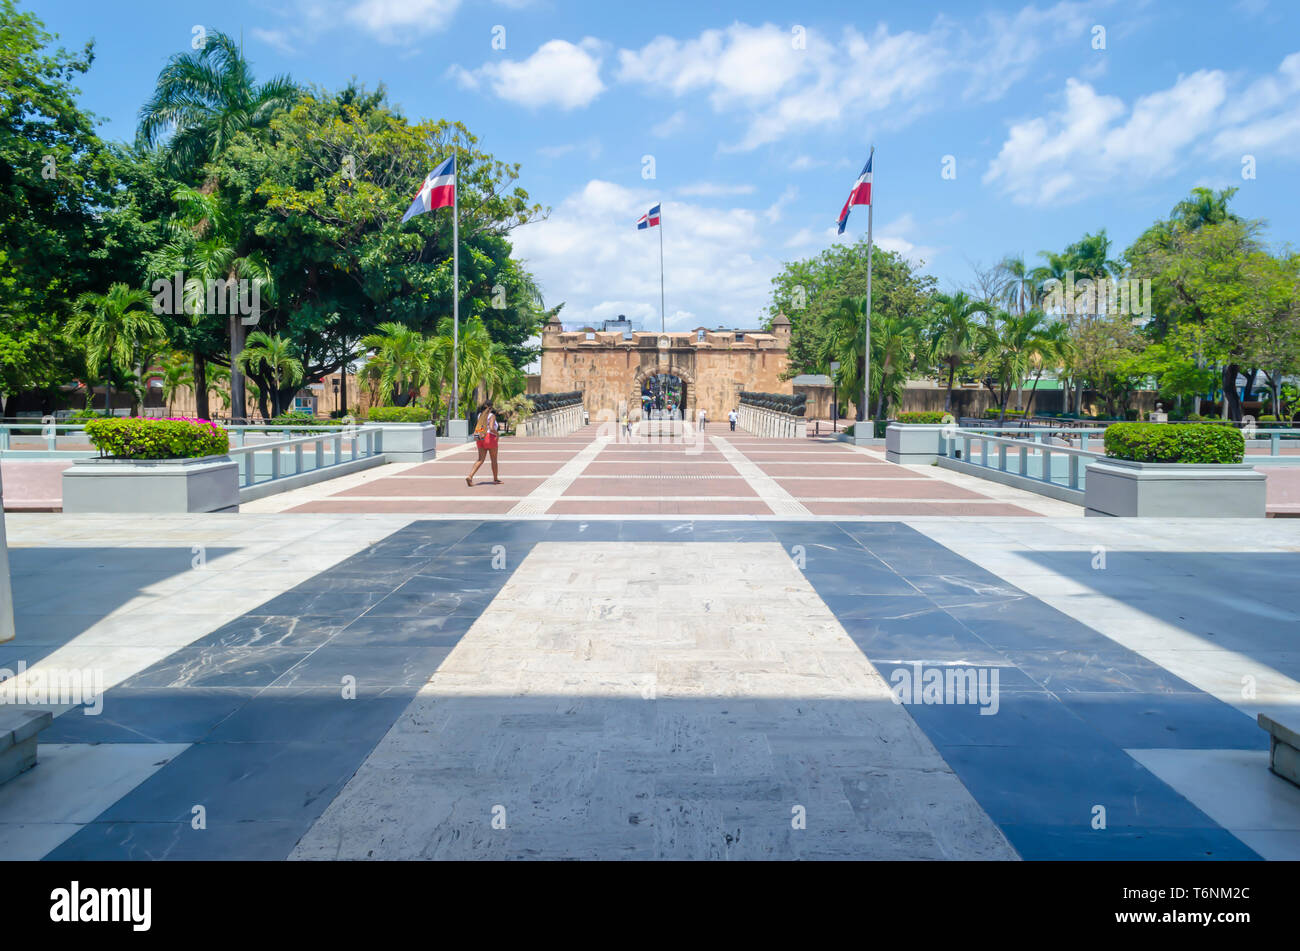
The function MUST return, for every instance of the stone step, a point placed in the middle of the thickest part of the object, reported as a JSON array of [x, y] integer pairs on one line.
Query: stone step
[[18, 731], [1284, 746]]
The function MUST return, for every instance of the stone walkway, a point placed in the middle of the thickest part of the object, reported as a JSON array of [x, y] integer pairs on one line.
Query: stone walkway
[[600, 472], [382, 686]]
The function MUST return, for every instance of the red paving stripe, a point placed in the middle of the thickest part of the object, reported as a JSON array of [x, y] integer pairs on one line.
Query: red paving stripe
[[731, 488], [461, 469], [873, 470], [410, 506], [660, 468], [660, 507], [457, 487], [916, 508], [875, 489]]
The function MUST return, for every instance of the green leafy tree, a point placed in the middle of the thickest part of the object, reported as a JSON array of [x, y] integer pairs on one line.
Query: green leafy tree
[[811, 294], [327, 189]]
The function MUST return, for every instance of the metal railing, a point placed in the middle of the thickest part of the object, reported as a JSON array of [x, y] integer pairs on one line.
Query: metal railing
[[42, 438], [1031, 454], [261, 462], [1048, 456]]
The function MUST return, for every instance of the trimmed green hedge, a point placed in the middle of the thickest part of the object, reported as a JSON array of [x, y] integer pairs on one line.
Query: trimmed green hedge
[[157, 438], [398, 414], [1161, 442], [932, 419]]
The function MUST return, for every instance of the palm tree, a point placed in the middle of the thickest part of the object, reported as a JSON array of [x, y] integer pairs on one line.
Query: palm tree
[[177, 375], [895, 342], [276, 357], [845, 343], [1010, 345], [486, 371], [953, 334], [1019, 286], [398, 362], [118, 328], [203, 99], [1055, 352], [1204, 207], [209, 240]]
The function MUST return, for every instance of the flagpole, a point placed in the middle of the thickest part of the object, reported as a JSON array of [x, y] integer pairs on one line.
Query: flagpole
[[455, 284], [663, 315], [866, 353]]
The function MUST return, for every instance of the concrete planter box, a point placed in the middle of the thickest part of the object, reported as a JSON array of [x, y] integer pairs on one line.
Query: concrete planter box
[[913, 444], [458, 431], [1173, 490], [407, 442], [207, 484], [18, 732]]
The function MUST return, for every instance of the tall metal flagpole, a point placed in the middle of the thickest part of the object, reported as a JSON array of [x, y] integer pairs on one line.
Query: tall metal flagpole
[[455, 291], [866, 353], [663, 317]]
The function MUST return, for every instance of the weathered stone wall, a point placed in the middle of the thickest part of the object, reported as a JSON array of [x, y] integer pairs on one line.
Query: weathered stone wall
[[609, 369]]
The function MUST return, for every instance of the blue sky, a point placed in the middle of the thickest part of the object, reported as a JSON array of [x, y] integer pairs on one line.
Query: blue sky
[[759, 115]]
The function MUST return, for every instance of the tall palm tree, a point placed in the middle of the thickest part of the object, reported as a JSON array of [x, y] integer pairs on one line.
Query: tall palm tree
[[277, 358], [1020, 288], [953, 332], [202, 99], [209, 240], [845, 344], [119, 328]]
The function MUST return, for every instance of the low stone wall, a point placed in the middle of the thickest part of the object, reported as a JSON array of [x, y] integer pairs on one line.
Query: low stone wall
[[559, 421], [765, 414]]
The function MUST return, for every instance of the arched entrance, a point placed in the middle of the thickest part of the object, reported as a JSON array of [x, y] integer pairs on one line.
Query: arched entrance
[[663, 396], [663, 392]]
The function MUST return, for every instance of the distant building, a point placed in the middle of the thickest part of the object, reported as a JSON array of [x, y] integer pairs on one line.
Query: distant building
[[617, 367]]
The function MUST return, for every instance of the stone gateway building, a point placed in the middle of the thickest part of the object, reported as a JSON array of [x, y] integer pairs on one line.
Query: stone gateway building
[[679, 372]]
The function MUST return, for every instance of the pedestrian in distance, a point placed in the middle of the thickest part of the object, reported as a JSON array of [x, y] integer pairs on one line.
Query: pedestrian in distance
[[486, 436], [731, 418]]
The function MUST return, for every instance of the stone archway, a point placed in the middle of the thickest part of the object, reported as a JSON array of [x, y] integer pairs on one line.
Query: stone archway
[[633, 405]]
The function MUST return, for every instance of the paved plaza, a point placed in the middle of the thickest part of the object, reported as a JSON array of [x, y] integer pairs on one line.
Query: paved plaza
[[639, 650], [603, 472]]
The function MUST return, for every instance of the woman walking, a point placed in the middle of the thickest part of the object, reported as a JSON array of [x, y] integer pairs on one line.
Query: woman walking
[[485, 435]]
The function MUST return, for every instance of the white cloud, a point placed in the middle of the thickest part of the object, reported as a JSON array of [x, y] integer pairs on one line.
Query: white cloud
[[713, 190], [592, 147], [397, 21], [589, 254], [1096, 141], [758, 74], [278, 39], [670, 126], [559, 73], [774, 211]]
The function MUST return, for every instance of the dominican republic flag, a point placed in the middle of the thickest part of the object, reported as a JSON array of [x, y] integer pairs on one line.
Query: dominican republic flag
[[438, 191], [861, 194], [649, 220]]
